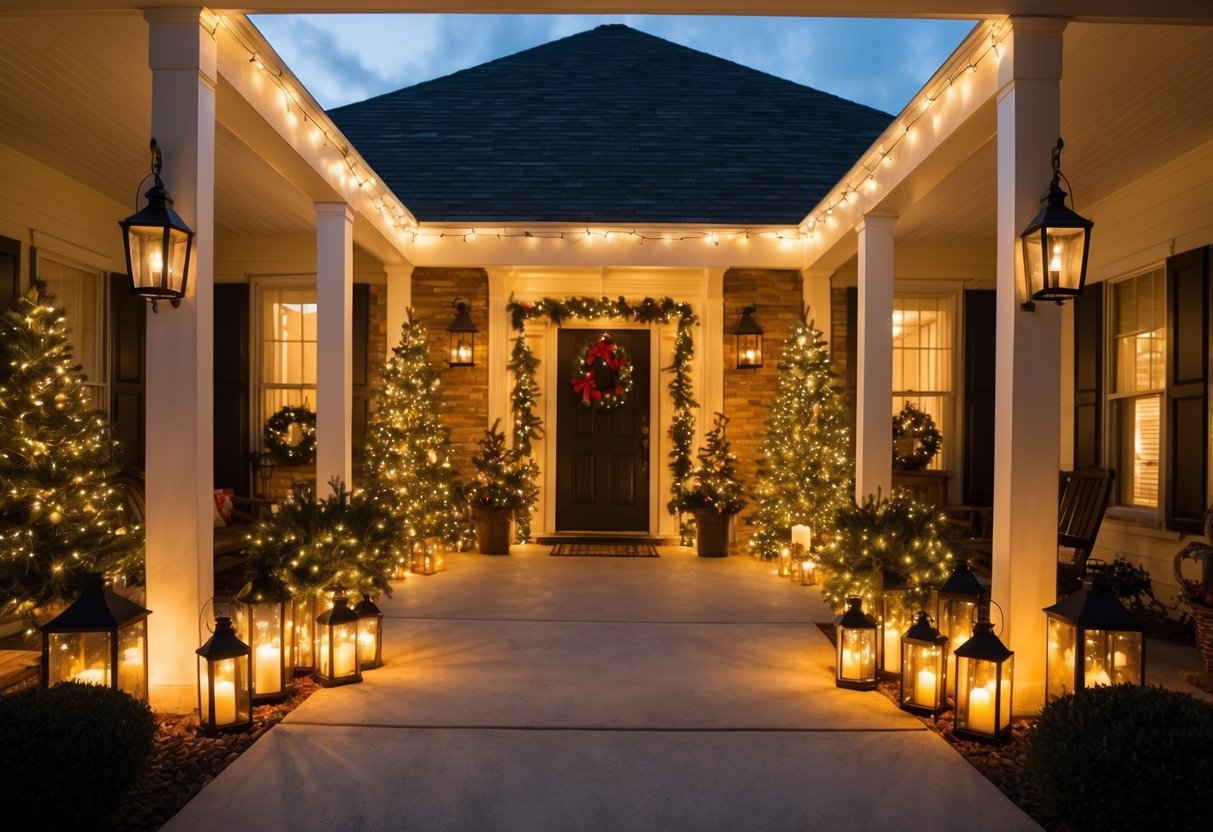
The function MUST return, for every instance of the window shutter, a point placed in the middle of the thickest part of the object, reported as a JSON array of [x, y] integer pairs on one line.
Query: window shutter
[[232, 435], [361, 405], [127, 336], [980, 324], [1186, 455], [1088, 376]]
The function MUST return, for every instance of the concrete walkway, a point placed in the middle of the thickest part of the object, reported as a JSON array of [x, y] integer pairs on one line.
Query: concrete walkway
[[538, 693]]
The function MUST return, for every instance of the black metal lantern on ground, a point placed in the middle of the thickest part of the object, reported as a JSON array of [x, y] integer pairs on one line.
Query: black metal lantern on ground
[[101, 639], [924, 668], [225, 681], [984, 668], [305, 608], [370, 633], [956, 606], [748, 336], [1092, 640], [855, 661], [265, 621], [895, 618], [157, 243], [463, 336], [1055, 245], [337, 644]]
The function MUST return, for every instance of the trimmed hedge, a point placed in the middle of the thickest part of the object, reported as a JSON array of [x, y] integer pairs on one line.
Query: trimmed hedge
[[1125, 757], [70, 754]]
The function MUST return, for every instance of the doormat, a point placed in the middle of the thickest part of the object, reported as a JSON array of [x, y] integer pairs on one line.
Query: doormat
[[604, 550]]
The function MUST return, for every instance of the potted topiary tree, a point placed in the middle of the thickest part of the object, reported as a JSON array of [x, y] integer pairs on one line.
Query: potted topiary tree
[[714, 493], [496, 492]]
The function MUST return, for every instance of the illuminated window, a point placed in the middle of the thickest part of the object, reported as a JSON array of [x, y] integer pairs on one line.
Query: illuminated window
[[287, 354], [1138, 383], [80, 293], [923, 360]]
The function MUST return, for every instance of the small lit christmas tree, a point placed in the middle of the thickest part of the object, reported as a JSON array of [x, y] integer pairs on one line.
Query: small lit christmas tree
[[805, 470], [714, 484], [408, 454], [59, 517]]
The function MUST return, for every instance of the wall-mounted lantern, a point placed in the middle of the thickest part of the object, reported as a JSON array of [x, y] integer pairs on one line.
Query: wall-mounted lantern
[[1055, 245], [748, 335], [157, 243], [463, 336]]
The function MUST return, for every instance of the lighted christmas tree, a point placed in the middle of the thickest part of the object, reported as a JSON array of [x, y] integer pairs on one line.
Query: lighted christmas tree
[[805, 470], [408, 453], [714, 484], [527, 426], [59, 517]]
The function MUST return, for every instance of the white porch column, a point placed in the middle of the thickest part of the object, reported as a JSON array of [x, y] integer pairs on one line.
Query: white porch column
[[334, 344], [711, 351], [399, 299], [180, 571], [1027, 373], [500, 343], [874, 358], [815, 294]]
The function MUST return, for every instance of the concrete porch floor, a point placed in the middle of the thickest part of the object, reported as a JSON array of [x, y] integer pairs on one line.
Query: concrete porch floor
[[538, 693]]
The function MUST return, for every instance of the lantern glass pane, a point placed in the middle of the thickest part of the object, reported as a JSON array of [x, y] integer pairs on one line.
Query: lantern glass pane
[[152, 248], [857, 654], [921, 676], [894, 621], [1033, 263], [1059, 663], [749, 350], [337, 650], [231, 698], [368, 640], [1111, 657], [461, 348], [1065, 247], [79, 657], [132, 659], [304, 620], [956, 620], [979, 692], [261, 627]]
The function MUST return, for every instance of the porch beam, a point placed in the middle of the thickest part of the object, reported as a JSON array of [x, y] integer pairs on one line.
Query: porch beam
[[180, 386], [334, 344], [1027, 391], [874, 358]]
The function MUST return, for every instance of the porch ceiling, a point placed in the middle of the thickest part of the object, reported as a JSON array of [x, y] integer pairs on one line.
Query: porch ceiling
[[76, 96]]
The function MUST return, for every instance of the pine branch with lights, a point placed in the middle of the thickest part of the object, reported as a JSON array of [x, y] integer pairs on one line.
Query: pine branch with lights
[[346, 539], [59, 516], [713, 483], [804, 470], [527, 427], [408, 453], [897, 535]]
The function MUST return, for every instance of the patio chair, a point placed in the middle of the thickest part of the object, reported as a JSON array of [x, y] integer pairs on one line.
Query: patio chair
[[1082, 500]]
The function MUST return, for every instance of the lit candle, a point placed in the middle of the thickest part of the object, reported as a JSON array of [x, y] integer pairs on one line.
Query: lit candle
[[850, 663], [981, 710], [892, 646], [924, 690], [750, 356], [801, 535], [267, 669], [1055, 264], [1098, 676], [343, 659], [225, 702], [92, 676], [1119, 659]]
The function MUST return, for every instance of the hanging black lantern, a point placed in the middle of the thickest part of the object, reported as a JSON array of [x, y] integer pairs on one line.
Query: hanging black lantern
[[748, 335], [370, 633], [263, 467], [101, 639], [984, 669], [157, 244], [225, 681], [1055, 245], [265, 621], [463, 336], [337, 644], [924, 667], [956, 606], [1092, 640], [855, 661]]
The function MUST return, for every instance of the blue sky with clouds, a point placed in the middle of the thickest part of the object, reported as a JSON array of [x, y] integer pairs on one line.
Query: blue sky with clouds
[[346, 58]]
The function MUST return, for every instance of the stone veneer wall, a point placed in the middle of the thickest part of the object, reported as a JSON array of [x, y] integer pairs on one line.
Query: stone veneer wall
[[748, 393], [464, 390]]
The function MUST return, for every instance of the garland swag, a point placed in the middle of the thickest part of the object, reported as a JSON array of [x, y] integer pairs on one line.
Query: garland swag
[[647, 311]]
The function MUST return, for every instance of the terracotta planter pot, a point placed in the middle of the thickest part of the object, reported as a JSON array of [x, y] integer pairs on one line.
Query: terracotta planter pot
[[713, 533], [492, 529]]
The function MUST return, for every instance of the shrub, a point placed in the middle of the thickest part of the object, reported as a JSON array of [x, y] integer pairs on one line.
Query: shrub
[[1125, 757], [71, 753]]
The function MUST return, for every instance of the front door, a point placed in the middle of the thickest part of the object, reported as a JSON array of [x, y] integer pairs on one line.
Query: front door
[[602, 456]]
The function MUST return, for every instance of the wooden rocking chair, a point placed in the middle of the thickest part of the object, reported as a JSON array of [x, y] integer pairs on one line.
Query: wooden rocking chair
[[1082, 500]]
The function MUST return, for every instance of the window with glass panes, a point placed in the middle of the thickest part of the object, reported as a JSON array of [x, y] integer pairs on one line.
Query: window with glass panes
[[287, 354], [80, 293], [923, 354], [1138, 382]]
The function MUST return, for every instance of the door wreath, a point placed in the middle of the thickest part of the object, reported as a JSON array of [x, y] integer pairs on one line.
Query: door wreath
[[290, 435], [602, 374]]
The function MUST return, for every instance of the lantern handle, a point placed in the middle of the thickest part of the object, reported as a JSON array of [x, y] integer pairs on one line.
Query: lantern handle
[[976, 616]]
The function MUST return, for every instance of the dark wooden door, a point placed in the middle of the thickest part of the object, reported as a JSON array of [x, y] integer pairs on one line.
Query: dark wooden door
[[603, 456], [232, 442]]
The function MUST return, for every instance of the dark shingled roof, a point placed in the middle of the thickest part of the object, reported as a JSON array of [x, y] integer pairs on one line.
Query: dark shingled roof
[[614, 126]]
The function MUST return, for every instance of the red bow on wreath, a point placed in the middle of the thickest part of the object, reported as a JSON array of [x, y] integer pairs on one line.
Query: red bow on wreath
[[604, 349], [586, 388]]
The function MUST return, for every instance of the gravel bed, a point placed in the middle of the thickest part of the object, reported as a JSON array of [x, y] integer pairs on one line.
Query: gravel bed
[[183, 761]]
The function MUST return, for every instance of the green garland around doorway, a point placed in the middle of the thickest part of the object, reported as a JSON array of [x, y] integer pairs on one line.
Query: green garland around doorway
[[528, 425]]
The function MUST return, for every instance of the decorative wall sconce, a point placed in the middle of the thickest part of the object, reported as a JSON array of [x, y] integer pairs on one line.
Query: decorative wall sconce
[[1055, 245], [463, 336], [748, 335], [157, 243]]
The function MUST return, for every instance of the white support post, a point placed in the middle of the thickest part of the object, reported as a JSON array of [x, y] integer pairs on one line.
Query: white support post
[[815, 295], [500, 342], [399, 299], [712, 351], [874, 359], [1027, 397], [180, 387], [334, 344]]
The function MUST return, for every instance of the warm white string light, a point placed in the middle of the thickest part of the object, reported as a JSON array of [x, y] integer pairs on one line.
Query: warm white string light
[[710, 237]]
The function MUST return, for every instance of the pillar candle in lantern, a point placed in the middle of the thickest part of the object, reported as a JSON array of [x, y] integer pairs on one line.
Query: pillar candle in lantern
[[267, 669], [344, 659], [924, 689], [981, 709], [225, 702], [801, 536]]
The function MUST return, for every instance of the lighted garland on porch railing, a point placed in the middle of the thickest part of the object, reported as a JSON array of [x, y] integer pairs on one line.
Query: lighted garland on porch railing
[[647, 311], [527, 426]]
